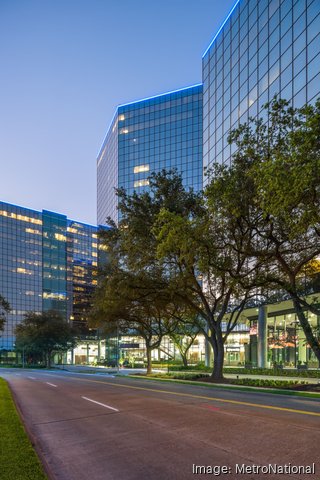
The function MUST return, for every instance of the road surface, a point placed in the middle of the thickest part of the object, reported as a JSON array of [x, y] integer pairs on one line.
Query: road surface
[[91, 427]]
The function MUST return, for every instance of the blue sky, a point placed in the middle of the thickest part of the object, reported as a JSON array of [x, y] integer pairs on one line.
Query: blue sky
[[66, 65]]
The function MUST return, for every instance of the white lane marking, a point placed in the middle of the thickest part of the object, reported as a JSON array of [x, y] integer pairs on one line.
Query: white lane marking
[[102, 404], [32, 378], [52, 384]]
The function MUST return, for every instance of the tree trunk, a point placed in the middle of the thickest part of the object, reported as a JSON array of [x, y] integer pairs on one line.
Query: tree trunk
[[48, 359], [149, 362], [184, 359], [311, 339], [218, 355]]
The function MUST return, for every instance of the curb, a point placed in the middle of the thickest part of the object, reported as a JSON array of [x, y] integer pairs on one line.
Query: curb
[[247, 388]]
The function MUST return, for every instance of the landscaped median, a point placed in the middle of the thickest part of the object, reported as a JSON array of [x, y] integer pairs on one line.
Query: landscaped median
[[18, 459], [265, 385], [279, 372]]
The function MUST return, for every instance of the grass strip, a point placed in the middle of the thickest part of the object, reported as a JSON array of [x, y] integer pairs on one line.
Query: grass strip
[[18, 459], [228, 387]]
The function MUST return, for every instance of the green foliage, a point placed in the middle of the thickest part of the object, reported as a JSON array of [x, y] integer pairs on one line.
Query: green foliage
[[134, 295], [181, 376], [18, 459], [253, 382], [4, 308], [209, 270], [41, 334], [273, 372], [194, 368]]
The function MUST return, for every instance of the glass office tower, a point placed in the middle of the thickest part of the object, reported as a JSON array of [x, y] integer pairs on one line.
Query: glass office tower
[[46, 262], [264, 48], [146, 136]]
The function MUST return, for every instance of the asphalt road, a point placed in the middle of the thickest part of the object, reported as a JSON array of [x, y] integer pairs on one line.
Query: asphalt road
[[90, 427]]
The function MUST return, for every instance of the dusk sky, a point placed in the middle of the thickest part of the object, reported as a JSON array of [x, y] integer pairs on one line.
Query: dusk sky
[[66, 65]]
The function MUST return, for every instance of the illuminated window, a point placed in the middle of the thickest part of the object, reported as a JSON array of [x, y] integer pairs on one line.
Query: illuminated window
[[24, 270], [121, 117], [94, 245], [103, 247], [32, 230], [94, 235], [141, 183], [23, 218], [72, 230], [141, 168], [54, 295], [124, 130], [94, 254], [60, 237]]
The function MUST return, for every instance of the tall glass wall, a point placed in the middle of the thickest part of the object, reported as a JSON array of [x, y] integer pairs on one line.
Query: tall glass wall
[[107, 175], [54, 275], [20, 265], [82, 268], [286, 344], [265, 47]]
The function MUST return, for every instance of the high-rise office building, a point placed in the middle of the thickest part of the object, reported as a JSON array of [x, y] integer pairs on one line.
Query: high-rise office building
[[161, 132], [264, 48], [47, 262]]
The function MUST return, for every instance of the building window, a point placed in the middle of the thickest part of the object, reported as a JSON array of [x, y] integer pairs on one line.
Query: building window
[[141, 168], [141, 183]]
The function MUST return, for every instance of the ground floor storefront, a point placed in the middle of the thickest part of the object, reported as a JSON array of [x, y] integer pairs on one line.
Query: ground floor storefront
[[265, 337]]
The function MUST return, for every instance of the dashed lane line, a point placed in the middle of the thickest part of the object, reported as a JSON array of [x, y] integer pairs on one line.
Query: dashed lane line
[[102, 404], [51, 384]]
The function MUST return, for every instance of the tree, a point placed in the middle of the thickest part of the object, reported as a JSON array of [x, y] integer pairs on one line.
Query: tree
[[44, 333], [183, 337], [206, 272], [133, 293], [278, 166], [4, 308], [178, 254], [131, 304]]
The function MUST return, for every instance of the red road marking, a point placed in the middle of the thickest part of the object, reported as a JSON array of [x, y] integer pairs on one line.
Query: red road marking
[[210, 407]]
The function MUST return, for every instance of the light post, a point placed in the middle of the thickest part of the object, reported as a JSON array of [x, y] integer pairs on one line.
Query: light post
[[295, 342], [118, 349]]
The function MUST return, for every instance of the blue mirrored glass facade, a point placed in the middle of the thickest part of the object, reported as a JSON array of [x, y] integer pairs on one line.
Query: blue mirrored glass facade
[[264, 48], [54, 256], [146, 136], [46, 262]]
